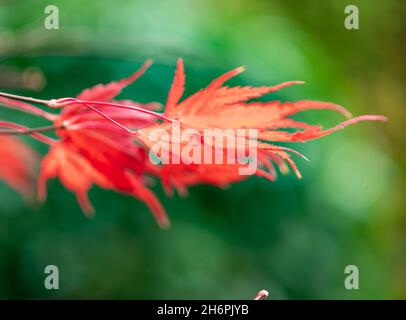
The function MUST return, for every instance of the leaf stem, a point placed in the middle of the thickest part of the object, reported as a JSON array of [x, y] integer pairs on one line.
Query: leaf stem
[[23, 98], [16, 129], [67, 101]]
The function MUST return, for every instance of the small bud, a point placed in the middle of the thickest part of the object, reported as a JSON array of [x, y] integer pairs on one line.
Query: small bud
[[261, 295]]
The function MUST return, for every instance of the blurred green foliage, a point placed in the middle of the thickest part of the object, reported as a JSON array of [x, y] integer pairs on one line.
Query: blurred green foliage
[[291, 237]]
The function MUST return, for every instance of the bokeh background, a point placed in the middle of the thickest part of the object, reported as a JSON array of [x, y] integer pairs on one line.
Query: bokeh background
[[292, 237]]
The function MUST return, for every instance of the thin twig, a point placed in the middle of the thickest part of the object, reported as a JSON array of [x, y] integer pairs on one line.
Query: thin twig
[[28, 131], [23, 98]]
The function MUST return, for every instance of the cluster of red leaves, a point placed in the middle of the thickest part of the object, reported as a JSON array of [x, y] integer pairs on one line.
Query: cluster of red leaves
[[105, 142]]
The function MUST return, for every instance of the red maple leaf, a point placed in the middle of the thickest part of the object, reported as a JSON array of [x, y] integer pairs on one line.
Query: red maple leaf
[[221, 107], [18, 164], [94, 150]]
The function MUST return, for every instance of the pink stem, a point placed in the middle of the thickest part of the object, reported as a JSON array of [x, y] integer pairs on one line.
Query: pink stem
[[67, 101], [28, 99], [59, 103], [110, 119], [8, 101], [34, 132]]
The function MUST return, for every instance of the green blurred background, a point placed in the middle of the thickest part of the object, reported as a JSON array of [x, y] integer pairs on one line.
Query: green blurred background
[[292, 237]]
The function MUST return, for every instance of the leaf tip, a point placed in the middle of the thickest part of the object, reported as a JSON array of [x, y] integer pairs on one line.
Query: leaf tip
[[240, 70]]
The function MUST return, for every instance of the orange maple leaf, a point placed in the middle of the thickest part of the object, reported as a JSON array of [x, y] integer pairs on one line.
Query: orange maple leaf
[[221, 107]]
